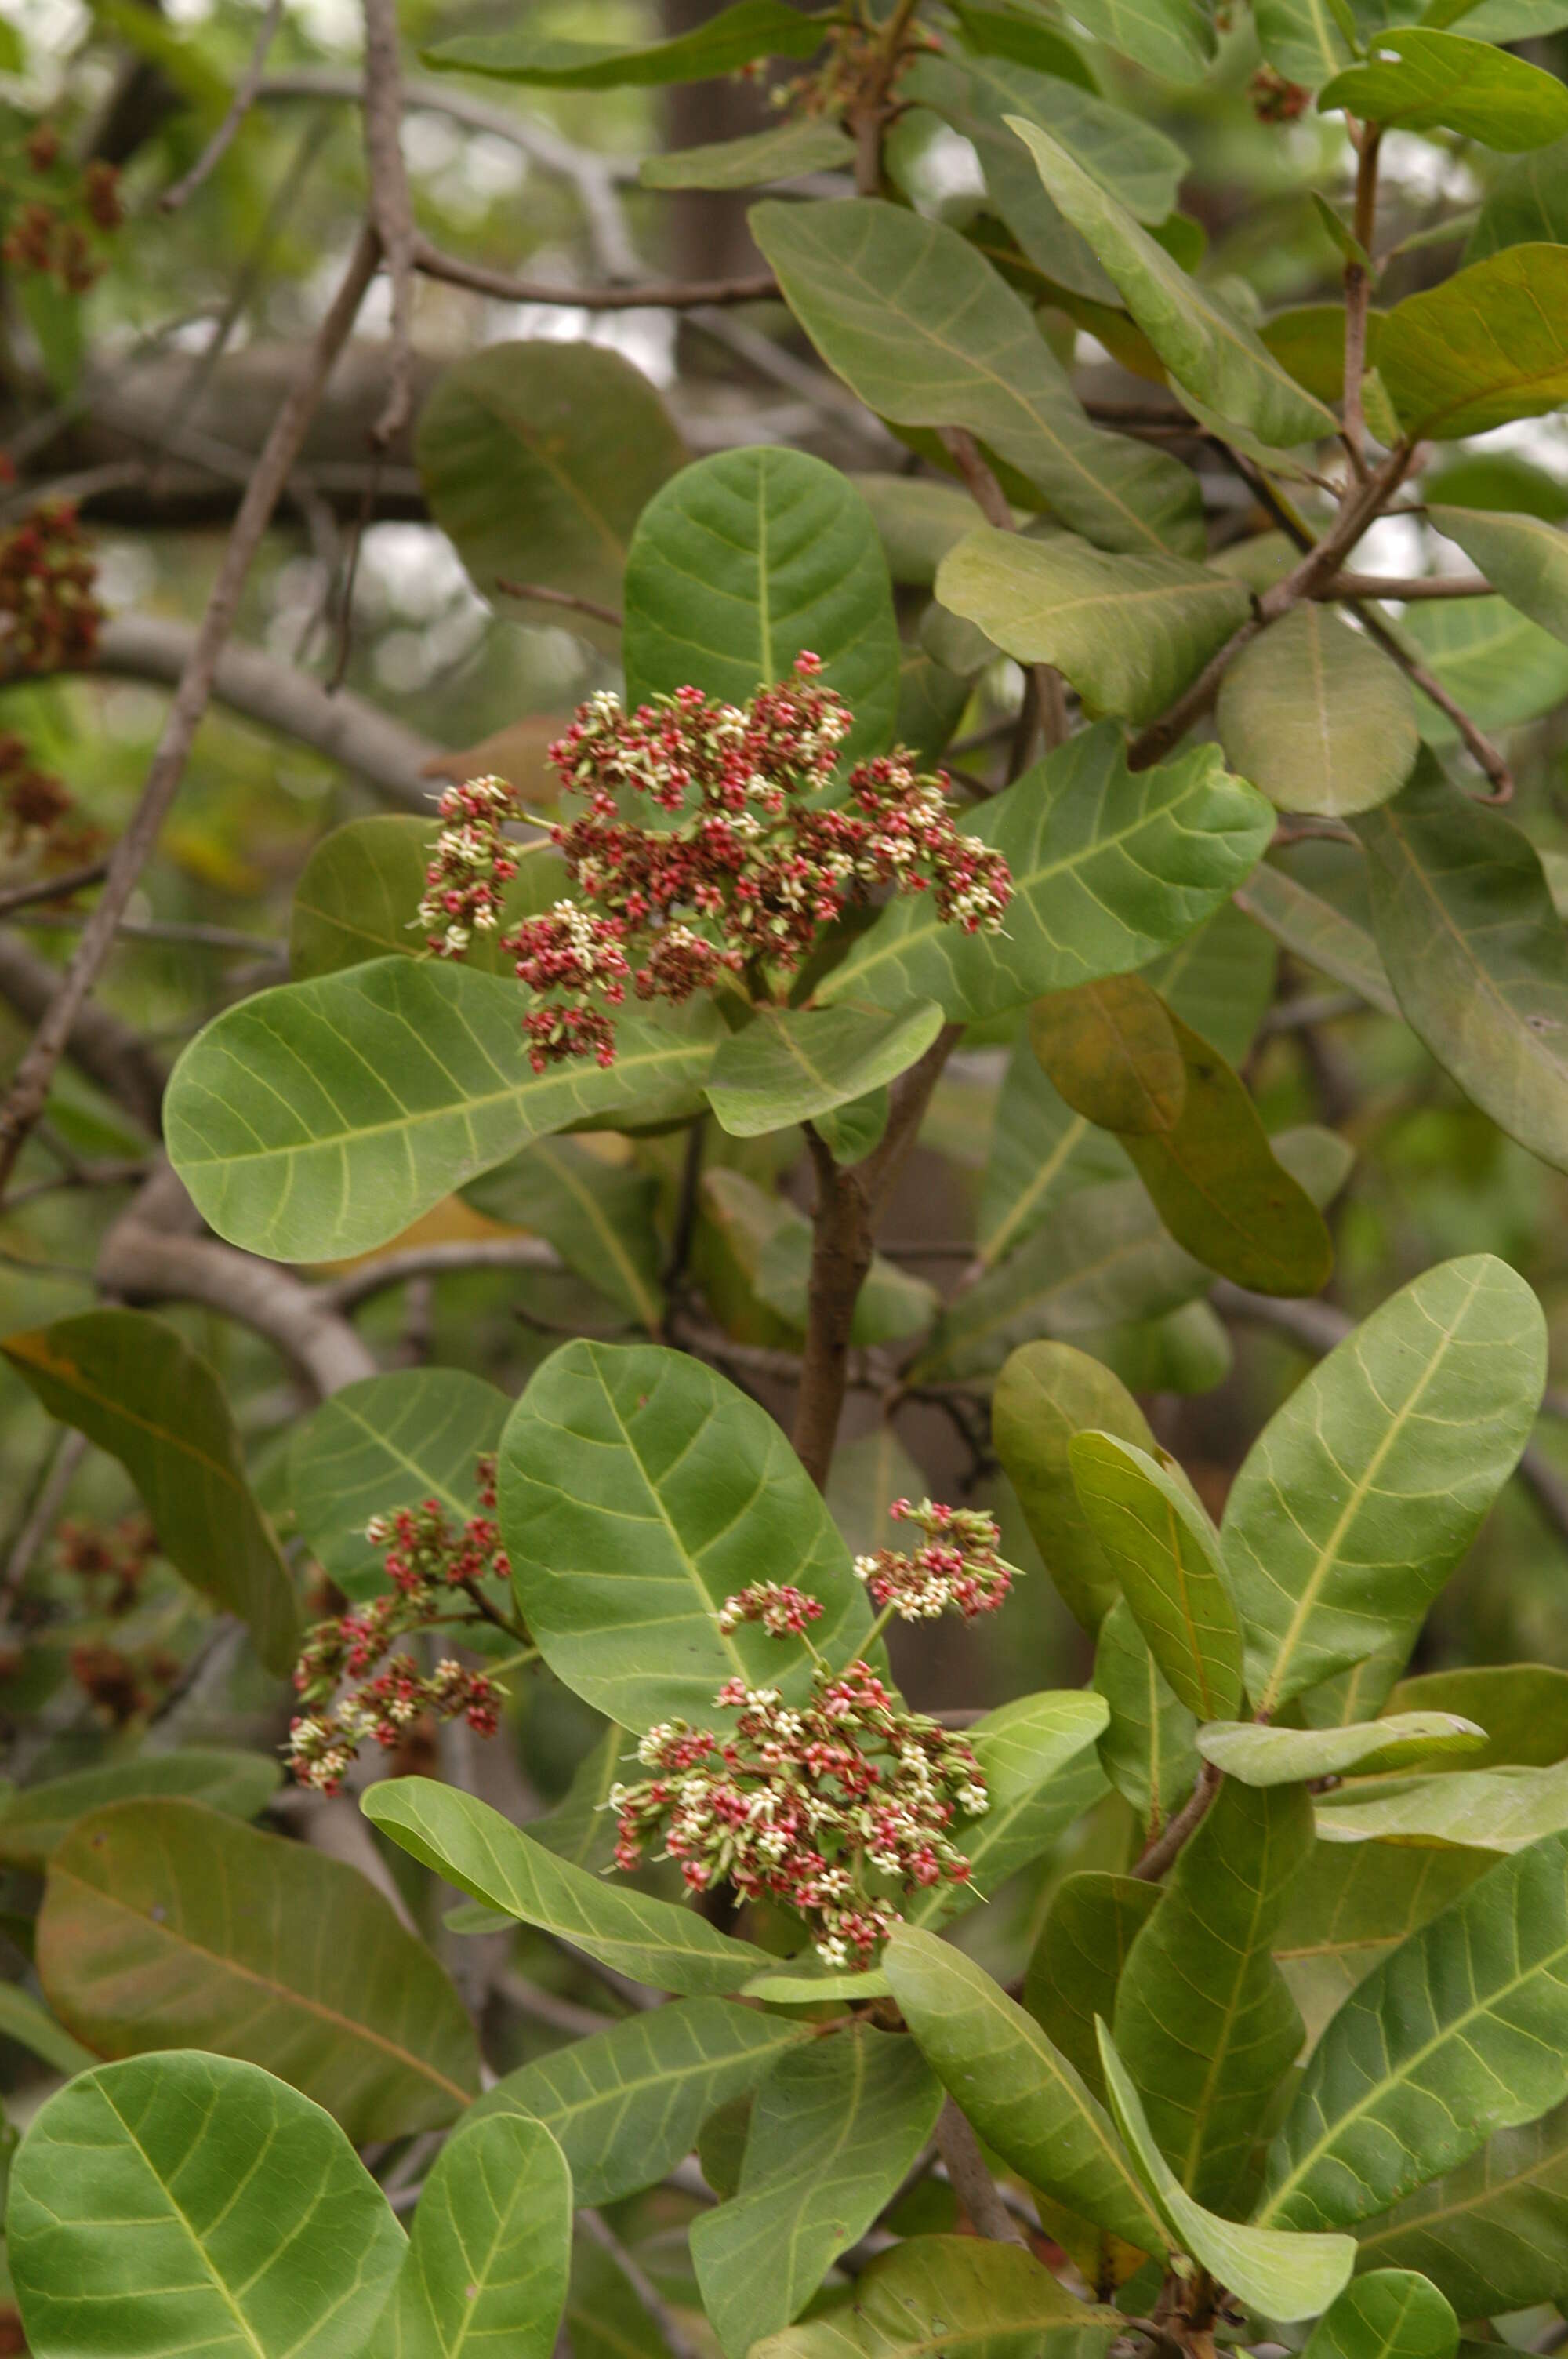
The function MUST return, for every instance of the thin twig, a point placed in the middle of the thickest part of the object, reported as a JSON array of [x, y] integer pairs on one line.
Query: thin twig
[[1169, 1842], [40, 1514], [1407, 587], [560, 598], [656, 295], [390, 207], [240, 105], [53, 889], [971, 2182], [1480, 748], [1356, 290], [29, 1089], [677, 2341]]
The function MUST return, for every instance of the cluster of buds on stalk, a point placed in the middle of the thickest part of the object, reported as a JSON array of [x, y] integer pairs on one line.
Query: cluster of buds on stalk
[[958, 1565], [44, 237], [116, 1554], [751, 869], [37, 811], [836, 1808], [49, 612], [427, 1560], [1276, 99]]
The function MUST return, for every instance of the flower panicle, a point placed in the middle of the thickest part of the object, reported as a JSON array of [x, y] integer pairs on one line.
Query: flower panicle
[[956, 1567], [749, 874]]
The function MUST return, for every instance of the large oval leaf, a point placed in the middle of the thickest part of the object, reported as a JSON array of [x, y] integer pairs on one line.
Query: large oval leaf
[[484, 1853], [490, 2249], [1037, 1758], [872, 284], [1149, 1751], [793, 1064], [1488, 345], [624, 2104], [134, 1387], [598, 1215], [389, 1442], [187, 2203], [1109, 867], [1525, 557], [1476, 952], [1462, 2031], [360, 891], [1317, 716], [164, 1922], [638, 1490], [34, 1821], [1353, 1506], [1523, 1707], [313, 1122], [512, 448], [1256, 1755], [746, 560], [1024, 2098], [1351, 1906], [956, 2295], [1128, 631], [1045, 1394], [1076, 1965], [1492, 2235], [730, 39], [1482, 1809], [835, 2127], [1166, 1554], [1388, 2314], [1425, 80]]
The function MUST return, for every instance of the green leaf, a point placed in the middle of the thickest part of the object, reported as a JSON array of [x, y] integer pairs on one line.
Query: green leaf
[[1165, 1555], [1045, 1394], [1282, 2276], [475, 1848], [951, 2298], [748, 559], [1016, 29], [1072, 1976], [813, 1983], [387, 1442], [1037, 1758], [808, 143], [1526, 558], [359, 893], [599, 1215], [1447, 82], [834, 2128], [1313, 929], [1502, 668], [189, 2203], [1128, 631], [1109, 866], [1388, 2314], [163, 1923], [1206, 346], [605, 2316], [1480, 1809], [732, 38], [313, 1122], [137, 1391], [1039, 1152], [31, 2027], [1353, 1904], [1023, 2097], [1352, 1507], [1317, 716], [1476, 952], [1492, 2235], [625, 2105], [1205, 2022], [1149, 1752], [490, 2248], [974, 95], [918, 518], [638, 1490], [1255, 1756], [880, 291], [1174, 39], [1523, 1707], [790, 1064], [1111, 1048], [1461, 2031], [1220, 980], [1220, 1190], [511, 448], [39, 1818], [1526, 204], [1488, 345], [1104, 1259]]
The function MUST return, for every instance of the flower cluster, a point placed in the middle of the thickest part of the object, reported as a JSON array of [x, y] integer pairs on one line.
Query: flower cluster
[[49, 612], [45, 237], [783, 1611], [427, 1559], [835, 1808], [1274, 98], [36, 811], [957, 1566], [746, 876], [116, 1554]]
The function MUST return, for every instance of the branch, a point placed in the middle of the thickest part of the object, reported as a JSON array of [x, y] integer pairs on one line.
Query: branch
[[29, 1089], [343, 728], [971, 2181], [1476, 742], [240, 105], [98, 1043], [390, 207], [658, 295], [145, 1257], [568, 598], [840, 1257], [1167, 1845], [52, 888], [1356, 290], [1406, 587]]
